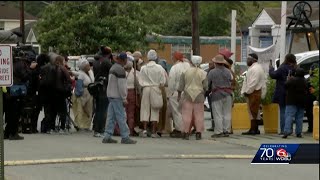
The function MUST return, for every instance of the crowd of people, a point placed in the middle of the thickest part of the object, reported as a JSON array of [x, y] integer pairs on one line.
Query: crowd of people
[[121, 94]]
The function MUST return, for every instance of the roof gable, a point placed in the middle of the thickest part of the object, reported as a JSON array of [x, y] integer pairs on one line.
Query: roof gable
[[263, 19], [12, 13]]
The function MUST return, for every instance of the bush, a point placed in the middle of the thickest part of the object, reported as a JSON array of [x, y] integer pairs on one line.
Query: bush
[[238, 98], [271, 85], [314, 80]]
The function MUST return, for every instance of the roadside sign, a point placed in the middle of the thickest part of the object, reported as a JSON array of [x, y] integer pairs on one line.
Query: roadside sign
[[6, 79], [6, 65]]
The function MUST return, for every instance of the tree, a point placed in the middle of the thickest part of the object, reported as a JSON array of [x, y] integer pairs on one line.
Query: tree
[[73, 28]]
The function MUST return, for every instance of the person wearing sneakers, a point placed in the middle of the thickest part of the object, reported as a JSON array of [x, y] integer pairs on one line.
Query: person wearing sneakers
[[296, 88], [220, 79], [117, 96], [193, 84], [252, 89]]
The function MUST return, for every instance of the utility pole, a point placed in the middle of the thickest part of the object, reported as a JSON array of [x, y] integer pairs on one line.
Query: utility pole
[[22, 21], [195, 28], [233, 36], [283, 31]]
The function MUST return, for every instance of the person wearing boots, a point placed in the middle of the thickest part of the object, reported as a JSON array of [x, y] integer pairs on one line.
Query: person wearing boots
[[252, 87], [193, 84], [152, 76]]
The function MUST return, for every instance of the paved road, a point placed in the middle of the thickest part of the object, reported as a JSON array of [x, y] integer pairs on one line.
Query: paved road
[[164, 170]]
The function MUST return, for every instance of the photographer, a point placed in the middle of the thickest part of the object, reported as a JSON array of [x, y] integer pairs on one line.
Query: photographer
[[22, 72], [60, 89], [101, 68]]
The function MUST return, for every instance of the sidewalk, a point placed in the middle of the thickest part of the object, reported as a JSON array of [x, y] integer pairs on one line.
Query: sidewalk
[[84, 145]]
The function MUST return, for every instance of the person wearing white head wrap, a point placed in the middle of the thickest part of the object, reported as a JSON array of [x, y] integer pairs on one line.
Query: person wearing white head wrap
[[83, 104], [194, 84], [152, 76], [130, 58], [196, 60], [82, 63], [152, 55]]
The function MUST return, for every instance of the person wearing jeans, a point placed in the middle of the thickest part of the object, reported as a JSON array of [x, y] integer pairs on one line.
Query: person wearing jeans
[[280, 75], [296, 92], [117, 95]]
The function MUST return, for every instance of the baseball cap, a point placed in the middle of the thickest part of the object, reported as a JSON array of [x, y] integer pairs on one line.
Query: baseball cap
[[122, 56]]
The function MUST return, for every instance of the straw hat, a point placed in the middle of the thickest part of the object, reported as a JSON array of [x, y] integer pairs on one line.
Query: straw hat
[[219, 59]]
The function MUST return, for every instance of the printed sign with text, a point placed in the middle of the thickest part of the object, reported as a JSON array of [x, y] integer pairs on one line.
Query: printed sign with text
[[6, 71]]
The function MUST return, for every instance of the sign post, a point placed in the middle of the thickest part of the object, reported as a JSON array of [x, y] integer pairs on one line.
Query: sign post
[[6, 79]]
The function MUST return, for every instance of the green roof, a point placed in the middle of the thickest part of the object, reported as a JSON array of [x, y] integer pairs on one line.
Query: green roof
[[188, 39]]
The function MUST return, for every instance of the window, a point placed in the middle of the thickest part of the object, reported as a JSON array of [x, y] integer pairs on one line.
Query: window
[[265, 41], [185, 49], [1, 25]]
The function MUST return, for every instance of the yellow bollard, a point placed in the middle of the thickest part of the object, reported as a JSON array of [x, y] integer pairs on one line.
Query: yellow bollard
[[316, 122], [271, 116], [4, 89], [240, 117]]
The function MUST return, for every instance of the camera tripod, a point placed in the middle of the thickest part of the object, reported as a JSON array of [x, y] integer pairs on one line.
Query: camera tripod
[[69, 120]]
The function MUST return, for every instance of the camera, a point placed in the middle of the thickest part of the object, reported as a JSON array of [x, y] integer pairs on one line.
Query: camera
[[23, 52]]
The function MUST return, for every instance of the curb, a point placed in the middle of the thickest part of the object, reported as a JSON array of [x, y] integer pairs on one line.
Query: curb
[[118, 158]]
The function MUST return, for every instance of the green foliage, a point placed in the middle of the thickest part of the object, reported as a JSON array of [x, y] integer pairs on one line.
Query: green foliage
[[238, 98], [73, 29], [314, 80], [271, 85]]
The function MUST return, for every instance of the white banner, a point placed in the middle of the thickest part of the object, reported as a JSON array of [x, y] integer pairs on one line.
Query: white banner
[[264, 55]]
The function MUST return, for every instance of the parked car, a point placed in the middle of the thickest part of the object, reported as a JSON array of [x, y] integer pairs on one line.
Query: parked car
[[72, 62], [305, 60]]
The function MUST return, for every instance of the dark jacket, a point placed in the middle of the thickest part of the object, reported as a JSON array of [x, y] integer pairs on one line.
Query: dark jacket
[[296, 91], [280, 75], [102, 71]]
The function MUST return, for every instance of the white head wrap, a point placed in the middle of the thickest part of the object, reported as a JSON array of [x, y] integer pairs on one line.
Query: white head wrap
[[82, 63], [129, 64], [130, 58], [152, 55], [196, 60]]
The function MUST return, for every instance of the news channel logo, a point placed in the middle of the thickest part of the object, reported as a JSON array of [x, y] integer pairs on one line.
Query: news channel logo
[[275, 154]]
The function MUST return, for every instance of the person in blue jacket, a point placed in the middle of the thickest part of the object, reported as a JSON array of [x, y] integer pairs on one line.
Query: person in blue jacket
[[281, 75]]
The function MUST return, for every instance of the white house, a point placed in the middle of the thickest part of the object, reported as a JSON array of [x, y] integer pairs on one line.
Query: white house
[[265, 30], [10, 17]]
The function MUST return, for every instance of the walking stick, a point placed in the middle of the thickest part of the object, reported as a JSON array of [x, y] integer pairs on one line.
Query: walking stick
[[136, 93]]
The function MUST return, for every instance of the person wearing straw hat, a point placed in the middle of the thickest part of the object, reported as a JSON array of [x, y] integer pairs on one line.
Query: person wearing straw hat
[[193, 84], [221, 97]]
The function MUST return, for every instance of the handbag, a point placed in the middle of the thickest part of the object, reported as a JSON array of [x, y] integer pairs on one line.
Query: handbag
[[156, 99], [79, 88], [17, 90]]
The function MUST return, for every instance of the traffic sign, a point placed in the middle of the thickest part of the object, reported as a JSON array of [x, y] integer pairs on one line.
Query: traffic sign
[[6, 65]]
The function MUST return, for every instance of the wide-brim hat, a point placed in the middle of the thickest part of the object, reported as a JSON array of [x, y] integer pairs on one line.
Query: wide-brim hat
[[219, 59]]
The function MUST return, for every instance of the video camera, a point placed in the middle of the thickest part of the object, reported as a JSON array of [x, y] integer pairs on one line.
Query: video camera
[[23, 52]]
